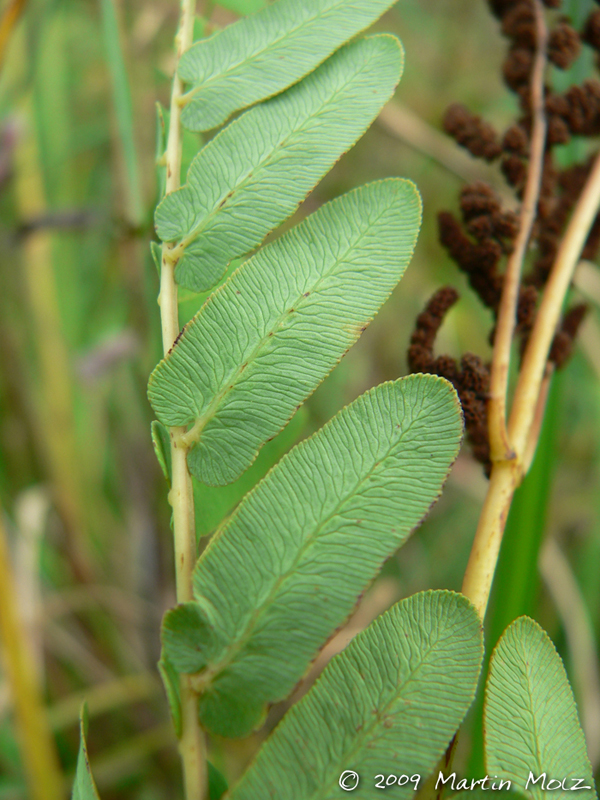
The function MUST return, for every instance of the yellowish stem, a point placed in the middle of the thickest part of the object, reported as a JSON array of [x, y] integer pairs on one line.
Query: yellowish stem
[[38, 750], [488, 537], [192, 744]]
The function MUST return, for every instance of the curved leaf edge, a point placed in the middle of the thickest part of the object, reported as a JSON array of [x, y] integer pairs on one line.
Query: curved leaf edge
[[197, 663], [416, 376], [316, 65], [213, 141], [535, 627], [199, 289], [297, 707], [415, 196], [84, 785]]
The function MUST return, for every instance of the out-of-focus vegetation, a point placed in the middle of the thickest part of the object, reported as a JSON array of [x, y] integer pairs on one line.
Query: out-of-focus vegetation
[[82, 496]]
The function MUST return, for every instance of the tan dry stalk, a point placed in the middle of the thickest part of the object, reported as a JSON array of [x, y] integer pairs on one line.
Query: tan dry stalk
[[10, 18], [403, 124], [38, 750], [54, 418]]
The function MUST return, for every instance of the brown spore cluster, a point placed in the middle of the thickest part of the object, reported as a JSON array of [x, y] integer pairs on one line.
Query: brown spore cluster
[[480, 237], [470, 377]]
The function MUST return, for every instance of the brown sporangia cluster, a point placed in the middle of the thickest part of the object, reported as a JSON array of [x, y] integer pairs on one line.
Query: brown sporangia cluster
[[562, 346], [481, 237], [470, 131], [591, 31], [470, 378]]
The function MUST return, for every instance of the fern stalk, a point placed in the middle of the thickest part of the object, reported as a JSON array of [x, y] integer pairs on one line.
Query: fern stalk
[[522, 427], [507, 312], [192, 745], [513, 443]]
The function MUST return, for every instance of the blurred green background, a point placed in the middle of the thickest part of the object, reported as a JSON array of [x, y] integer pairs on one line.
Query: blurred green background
[[81, 492]]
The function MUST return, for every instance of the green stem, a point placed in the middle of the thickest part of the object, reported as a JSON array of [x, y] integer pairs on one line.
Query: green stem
[[192, 745]]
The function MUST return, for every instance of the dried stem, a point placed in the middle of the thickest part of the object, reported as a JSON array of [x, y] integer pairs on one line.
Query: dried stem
[[403, 124], [38, 749], [10, 18], [54, 414], [102, 697], [500, 445], [191, 745]]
